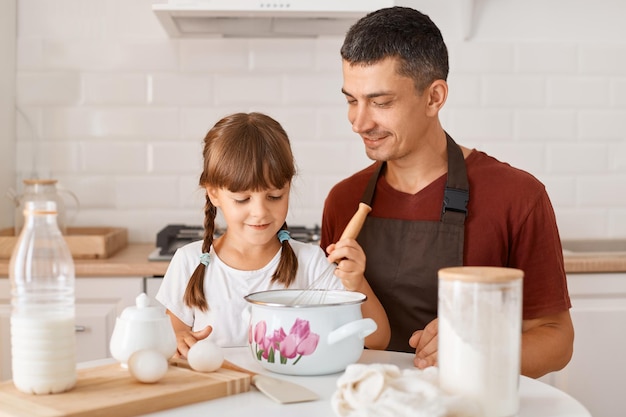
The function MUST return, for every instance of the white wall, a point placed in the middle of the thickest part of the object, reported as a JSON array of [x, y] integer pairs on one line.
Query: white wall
[[118, 109], [7, 108]]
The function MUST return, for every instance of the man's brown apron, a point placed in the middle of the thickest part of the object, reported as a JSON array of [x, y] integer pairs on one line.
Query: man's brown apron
[[403, 256]]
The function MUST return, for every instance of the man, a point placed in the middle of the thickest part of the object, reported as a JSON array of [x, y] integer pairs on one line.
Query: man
[[436, 204]]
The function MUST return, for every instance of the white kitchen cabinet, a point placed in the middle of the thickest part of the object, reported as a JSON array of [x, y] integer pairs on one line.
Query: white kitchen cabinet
[[596, 372], [152, 286], [99, 301]]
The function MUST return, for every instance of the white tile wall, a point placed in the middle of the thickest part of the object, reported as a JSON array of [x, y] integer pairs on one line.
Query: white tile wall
[[117, 110]]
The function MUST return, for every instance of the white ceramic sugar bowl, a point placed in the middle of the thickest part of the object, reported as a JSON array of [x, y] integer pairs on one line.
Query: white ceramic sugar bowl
[[144, 326]]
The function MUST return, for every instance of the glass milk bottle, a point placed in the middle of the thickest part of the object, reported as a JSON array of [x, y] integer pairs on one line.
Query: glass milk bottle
[[43, 344], [480, 325], [44, 190]]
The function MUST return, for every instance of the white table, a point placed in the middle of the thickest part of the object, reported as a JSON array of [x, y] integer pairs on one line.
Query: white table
[[537, 399]]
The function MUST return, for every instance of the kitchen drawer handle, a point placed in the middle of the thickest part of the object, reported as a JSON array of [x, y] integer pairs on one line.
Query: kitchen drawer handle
[[80, 329]]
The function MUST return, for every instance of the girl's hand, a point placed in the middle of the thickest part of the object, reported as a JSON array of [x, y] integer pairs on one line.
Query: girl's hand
[[185, 339], [350, 259]]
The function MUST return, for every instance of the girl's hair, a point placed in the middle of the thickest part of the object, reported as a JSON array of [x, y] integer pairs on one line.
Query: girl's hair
[[242, 152]]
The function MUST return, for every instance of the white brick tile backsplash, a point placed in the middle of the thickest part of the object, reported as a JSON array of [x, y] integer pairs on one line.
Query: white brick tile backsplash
[[47, 89], [191, 195], [617, 157], [603, 59], [299, 122], [617, 92], [55, 157], [93, 191], [602, 191], [214, 55], [111, 122], [577, 159], [134, 192], [600, 125], [333, 123], [487, 57], [196, 121], [121, 157], [182, 90], [115, 89], [561, 190], [117, 110], [144, 55], [281, 54], [356, 159], [327, 53], [60, 19], [464, 90], [131, 19], [100, 55], [303, 193], [546, 58], [575, 92], [514, 91], [324, 88], [77, 55], [176, 157], [317, 158], [28, 122], [617, 224], [248, 89], [490, 124], [546, 125], [29, 54], [527, 157], [580, 223]]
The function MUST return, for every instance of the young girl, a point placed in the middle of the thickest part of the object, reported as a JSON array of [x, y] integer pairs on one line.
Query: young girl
[[248, 169]]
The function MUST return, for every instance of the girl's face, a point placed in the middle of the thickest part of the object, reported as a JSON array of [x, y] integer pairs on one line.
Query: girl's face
[[252, 217]]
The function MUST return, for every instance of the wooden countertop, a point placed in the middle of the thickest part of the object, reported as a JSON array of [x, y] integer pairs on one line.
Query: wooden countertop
[[133, 261], [591, 263]]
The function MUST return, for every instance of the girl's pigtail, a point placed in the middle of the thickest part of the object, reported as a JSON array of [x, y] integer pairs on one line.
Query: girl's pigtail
[[194, 293], [288, 265]]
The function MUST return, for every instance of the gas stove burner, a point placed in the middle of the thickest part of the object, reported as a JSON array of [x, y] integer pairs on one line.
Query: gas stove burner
[[173, 236], [305, 234]]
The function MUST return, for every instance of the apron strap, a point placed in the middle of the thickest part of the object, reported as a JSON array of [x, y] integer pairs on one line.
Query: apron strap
[[456, 194], [368, 195]]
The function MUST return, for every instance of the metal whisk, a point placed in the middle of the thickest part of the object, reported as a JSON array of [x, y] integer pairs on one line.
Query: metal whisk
[[313, 295]]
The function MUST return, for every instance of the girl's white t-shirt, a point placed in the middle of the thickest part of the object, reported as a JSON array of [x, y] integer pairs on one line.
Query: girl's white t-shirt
[[225, 288]]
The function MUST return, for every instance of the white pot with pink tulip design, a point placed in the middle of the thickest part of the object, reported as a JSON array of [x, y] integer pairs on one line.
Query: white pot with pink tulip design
[[290, 336]]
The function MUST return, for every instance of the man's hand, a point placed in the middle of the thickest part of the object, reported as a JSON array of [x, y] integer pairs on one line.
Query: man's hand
[[426, 345]]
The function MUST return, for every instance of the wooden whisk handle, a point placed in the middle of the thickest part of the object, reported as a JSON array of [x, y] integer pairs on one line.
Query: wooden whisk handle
[[356, 222]]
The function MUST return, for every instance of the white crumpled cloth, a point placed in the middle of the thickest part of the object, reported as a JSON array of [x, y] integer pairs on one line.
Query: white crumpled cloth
[[383, 390]]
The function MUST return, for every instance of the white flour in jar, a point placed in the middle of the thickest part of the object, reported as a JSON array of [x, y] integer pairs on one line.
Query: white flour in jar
[[479, 354]]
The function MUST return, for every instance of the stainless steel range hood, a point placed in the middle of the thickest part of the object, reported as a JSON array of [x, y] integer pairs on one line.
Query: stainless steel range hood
[[257, 18]]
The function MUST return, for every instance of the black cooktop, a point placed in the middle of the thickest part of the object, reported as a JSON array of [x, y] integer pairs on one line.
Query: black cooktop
[[173, 236]]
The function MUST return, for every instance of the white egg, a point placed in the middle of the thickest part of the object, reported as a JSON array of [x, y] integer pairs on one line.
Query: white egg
[[205, 356], [147, 365]]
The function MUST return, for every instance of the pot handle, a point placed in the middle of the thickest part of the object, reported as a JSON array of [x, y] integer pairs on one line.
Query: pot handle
[[361, 328]]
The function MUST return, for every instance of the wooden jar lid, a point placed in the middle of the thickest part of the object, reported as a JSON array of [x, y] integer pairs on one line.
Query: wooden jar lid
[[480, 274]]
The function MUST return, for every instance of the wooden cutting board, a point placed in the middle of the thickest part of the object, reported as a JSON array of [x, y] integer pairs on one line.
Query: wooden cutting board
[[109, 390]]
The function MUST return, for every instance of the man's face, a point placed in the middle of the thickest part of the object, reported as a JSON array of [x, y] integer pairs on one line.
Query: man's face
[[385, 109]]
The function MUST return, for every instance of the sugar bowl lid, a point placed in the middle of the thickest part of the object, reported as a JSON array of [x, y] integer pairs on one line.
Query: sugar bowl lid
[[143, 310]]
